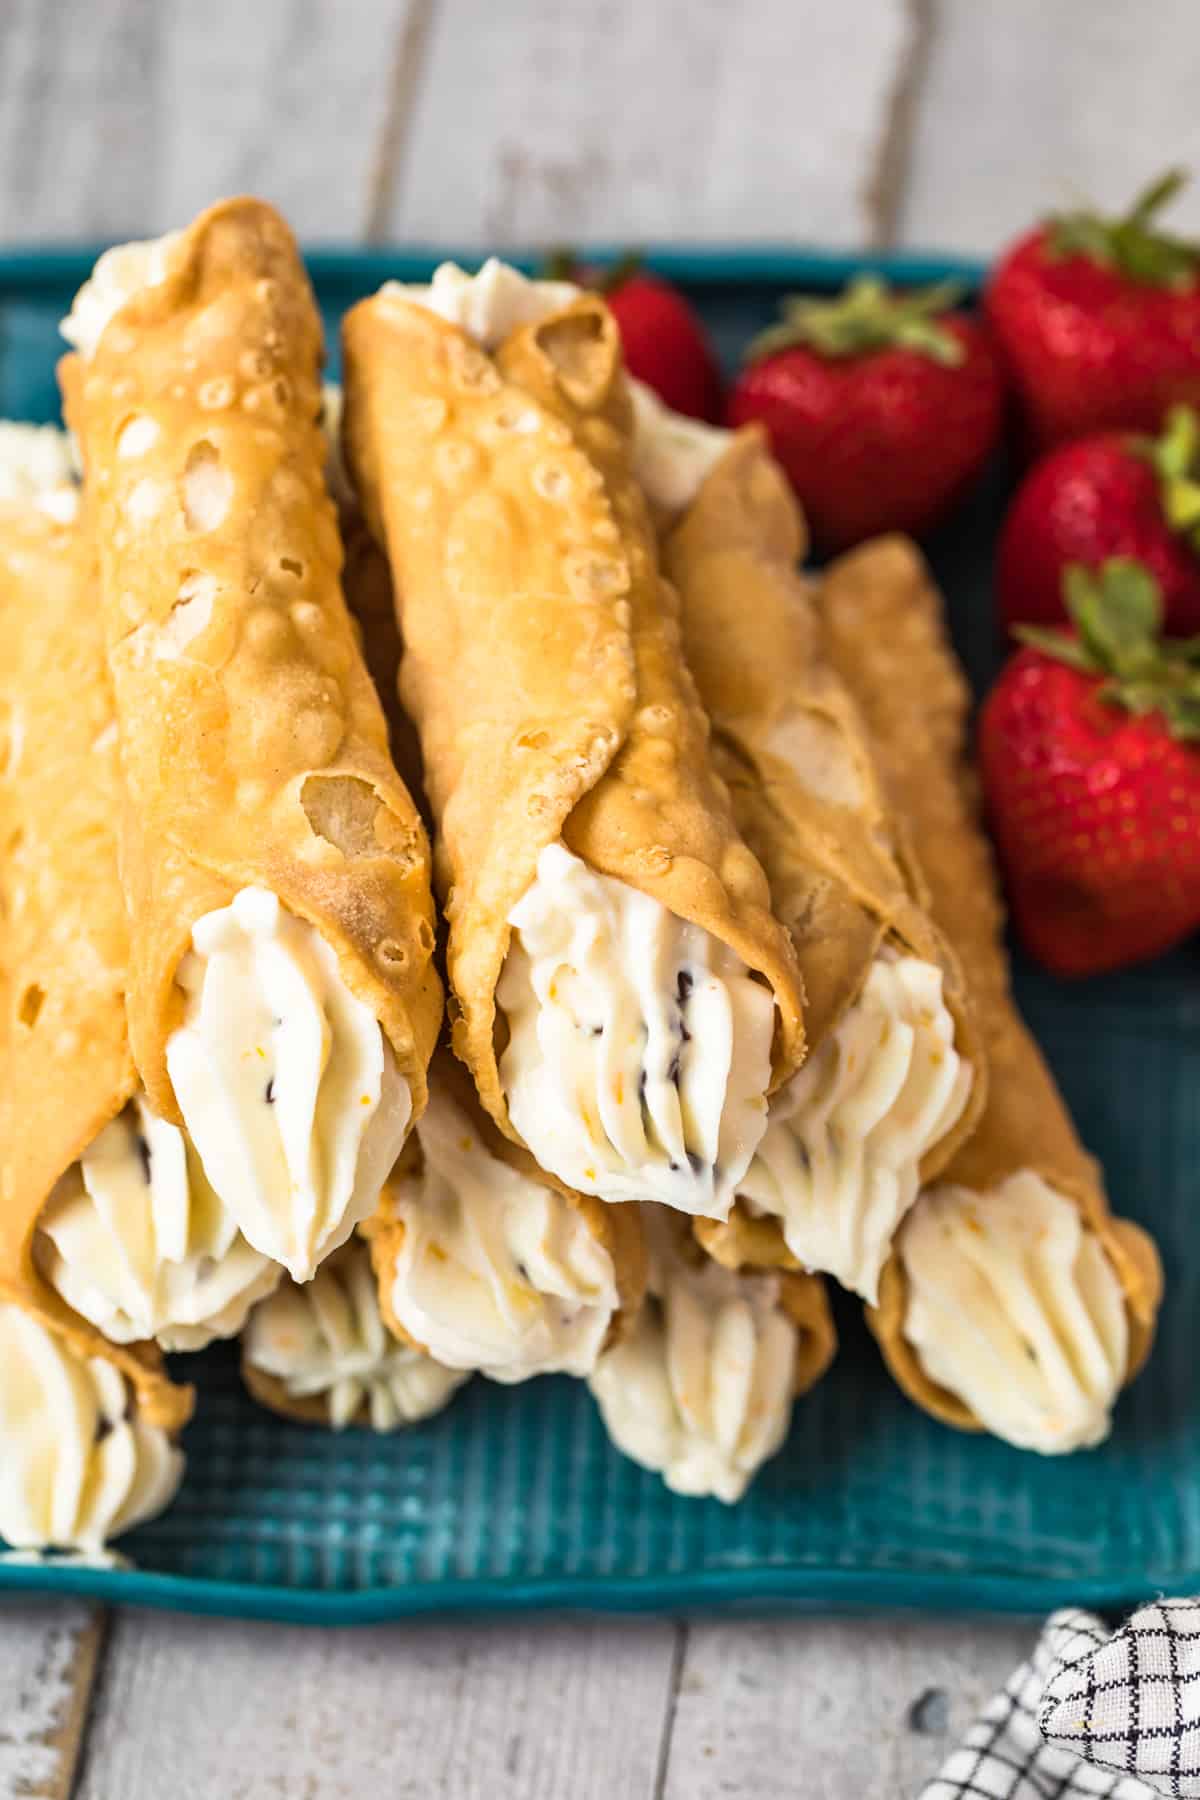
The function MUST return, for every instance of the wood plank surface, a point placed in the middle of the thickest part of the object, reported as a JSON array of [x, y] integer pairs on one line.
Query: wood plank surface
[[121, 118], [947, 122], [1027, 106], [565, 120], [49, 1652], [461, 1712], [848, 1709]]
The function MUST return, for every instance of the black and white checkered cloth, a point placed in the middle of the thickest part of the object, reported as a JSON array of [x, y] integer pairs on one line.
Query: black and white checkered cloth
[[1093, 1713]]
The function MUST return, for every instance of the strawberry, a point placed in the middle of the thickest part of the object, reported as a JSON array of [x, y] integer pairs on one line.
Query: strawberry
[[1089, 748], [1110, 495], [882, 407], [662, 335], [1099, 321], [665, 344]]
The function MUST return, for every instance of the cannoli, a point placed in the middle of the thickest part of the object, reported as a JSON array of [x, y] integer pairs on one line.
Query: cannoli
[[622, 995], [322, 1353], [488, 1262], [894, 1077], [701, 1390], [283, 1003], [1014, 1301], [87, 1423]]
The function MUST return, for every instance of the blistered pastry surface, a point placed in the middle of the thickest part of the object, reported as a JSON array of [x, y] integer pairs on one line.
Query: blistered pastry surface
[[254, 746], [543, 663]]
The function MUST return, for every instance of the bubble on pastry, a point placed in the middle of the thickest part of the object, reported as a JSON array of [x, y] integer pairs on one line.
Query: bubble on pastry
[[343, 809], [190, 615], [32, 1001], [144, 500], [207, 487], [137, 435]]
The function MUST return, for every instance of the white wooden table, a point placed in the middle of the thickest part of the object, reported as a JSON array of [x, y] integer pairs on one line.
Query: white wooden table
[[492, 122]]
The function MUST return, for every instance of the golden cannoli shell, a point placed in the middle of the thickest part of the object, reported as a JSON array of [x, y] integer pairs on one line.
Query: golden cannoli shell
[[542, 662], [65, 1067], [254, 748], [807, 797], [805, 1299], [617, 1229], [885, 633]]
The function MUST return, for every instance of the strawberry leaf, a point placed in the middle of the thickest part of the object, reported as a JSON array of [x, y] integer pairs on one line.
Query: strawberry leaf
[[867, 316], [1058, 645], [1131, 245], [1182, 713], [1118, 611]]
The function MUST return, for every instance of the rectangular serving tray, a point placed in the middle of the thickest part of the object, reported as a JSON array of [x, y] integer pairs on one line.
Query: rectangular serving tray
[[513, 1499]]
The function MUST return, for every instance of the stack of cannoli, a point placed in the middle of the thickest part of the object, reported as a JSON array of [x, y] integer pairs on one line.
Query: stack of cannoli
[[727, 1004]]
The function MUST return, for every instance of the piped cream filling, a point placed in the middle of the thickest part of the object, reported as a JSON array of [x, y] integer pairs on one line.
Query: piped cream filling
[[495, 1272], [1014, 1307], [77, 1465], [488, 305], [37, 468], [640, 1047], [286, 1082], [673, 455], [117, 276], [328, 1338], [136, 1241], [839, 1164], [701, 1390]]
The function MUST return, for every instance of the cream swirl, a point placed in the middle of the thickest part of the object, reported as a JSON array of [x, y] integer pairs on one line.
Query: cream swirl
[[328, 1338], [640, 1046], [495, 1271], [77, 1465], [839, 1164], [488, 305], [701, 1389], [672, 453], [1014, 1307], [117, 276], [136, 1241], [287, 1085]]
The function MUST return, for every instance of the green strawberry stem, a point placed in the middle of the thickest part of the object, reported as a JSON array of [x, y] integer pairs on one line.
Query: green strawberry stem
[[1117, 612], [1131, 244], [563, 264], [1175, 458], [867, 316]]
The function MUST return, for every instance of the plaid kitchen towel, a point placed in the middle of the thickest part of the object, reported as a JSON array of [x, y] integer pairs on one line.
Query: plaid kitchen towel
[[1093, 1713]]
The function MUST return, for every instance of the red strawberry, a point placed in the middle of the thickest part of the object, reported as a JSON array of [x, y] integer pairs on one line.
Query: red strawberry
[[882, 407], [1089, 747], [1112, 495], [1099, 321], [665, 344]]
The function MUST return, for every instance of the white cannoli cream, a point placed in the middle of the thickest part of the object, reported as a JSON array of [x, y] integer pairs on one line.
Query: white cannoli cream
[[672, 454], [839, 1163], [1014, 1307], [137, 1242], [328, 1338], [118, 274], [701, 1390], [490, 304], [77, 1466], [495, 1272], [37, 468], [287, 1085], [640, 1047]]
